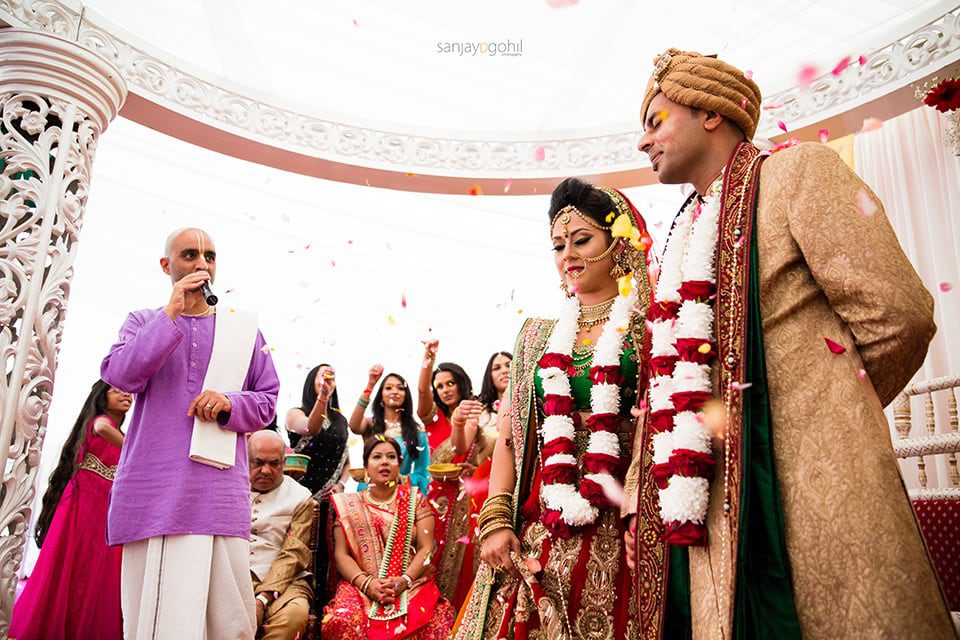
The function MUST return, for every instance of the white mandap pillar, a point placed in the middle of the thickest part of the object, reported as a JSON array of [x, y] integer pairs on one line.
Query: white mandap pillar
[[56, 98]]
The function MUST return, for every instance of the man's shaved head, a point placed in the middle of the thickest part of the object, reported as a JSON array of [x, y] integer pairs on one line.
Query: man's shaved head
[[168, 245], [265, 440]]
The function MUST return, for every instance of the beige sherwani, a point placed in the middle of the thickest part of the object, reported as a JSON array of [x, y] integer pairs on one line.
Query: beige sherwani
[[280, 558], [859, 566]]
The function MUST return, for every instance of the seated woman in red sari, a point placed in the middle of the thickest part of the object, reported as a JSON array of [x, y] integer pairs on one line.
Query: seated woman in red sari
[[383, 538]]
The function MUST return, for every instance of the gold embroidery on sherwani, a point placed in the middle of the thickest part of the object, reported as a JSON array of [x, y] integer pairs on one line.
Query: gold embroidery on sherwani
[[595, 619]]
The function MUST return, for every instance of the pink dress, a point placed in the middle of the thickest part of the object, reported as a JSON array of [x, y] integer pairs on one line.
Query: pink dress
[[74, 591]]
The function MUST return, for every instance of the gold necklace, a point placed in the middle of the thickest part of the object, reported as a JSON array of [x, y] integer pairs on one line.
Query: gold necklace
[[380, 504], [592, 315]]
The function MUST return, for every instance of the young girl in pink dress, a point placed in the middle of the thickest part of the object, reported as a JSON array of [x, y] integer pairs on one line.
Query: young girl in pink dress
[[74, 591]]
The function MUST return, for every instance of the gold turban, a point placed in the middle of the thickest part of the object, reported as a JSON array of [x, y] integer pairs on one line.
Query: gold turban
[[704, 82]]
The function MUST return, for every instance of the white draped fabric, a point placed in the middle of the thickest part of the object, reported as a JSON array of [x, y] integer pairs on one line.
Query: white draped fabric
[[918, 179]]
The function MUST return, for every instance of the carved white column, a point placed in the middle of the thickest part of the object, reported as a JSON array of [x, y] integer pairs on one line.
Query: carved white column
[[55, 99]]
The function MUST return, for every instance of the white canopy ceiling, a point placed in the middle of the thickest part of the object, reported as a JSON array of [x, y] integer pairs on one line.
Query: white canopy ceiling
[[582, 68]]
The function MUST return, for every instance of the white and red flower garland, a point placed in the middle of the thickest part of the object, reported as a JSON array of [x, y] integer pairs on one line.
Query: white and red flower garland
[[683, 346], [567, 505]]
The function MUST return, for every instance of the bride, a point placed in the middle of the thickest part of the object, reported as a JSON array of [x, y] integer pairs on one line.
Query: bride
[[553, 560]]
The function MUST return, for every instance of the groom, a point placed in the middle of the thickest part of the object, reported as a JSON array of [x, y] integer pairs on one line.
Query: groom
[[819, 321]]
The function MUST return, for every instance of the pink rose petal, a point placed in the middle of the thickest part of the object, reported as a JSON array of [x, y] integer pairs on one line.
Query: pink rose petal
[[841, 66], [865, 203], [806, 75], [862, 60], [824, 135], [782, 125], [403, 301], [861, 373], [871, 124], [463, 540], [770, 106], [835, 347], [748, 74], [740, 386], [561, 4], [945, 286], [743, 103], [539, 154], [507, 184]]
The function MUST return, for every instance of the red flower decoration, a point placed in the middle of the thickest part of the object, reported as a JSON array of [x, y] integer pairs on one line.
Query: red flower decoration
[[662, 420], [692, 464], [557, 405], [558, 360], [594, 493], [554, 523], [688, 534], [661, 474], [944, 96], [559, 474], [699, 290], [663, 310], [663, 365]]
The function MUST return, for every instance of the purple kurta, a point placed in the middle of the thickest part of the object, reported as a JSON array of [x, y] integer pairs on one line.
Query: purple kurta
[[158, 490]]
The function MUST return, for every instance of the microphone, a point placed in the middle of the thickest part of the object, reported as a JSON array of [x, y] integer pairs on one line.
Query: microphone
[[208, 294]]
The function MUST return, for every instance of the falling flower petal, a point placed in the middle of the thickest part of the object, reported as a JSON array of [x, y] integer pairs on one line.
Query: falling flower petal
[[806, 75], [463, 540], [861, 373], [561, 4], [945, 286], [391, 320], [835, 347], [871, 124], [403, 301], [782, 125], [841, 66], [770, 106], [824, 135], [743, 103], [355, 23], [475, 190], [507, 184], [265, 349], [704, 348], [862, 60], [740, 386], [284, 218], [621, 227], [662, 114], [748, 74], [333, 263], [625, 285], [865, 203], [539, 154]]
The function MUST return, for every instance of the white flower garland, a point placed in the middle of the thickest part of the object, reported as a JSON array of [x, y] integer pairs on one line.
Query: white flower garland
[[689, 257], [558, 430]]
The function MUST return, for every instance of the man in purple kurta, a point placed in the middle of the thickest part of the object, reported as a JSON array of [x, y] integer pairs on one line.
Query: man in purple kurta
[[184, 525]]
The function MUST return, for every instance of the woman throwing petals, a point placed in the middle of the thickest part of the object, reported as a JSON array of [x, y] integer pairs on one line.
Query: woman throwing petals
[[553, 560]]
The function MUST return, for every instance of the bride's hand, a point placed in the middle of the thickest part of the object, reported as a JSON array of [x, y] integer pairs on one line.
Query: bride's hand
[[496, 550]]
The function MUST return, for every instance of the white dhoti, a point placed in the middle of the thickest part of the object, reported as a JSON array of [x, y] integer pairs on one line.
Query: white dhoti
[[189, 587]]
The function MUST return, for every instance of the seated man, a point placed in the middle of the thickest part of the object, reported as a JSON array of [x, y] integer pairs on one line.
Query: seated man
[[280, 559]]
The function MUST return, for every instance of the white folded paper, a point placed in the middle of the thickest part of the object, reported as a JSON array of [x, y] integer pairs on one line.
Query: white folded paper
[[234, 336]]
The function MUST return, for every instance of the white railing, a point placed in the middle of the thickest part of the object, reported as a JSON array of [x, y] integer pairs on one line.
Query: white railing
[[931, 443]]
